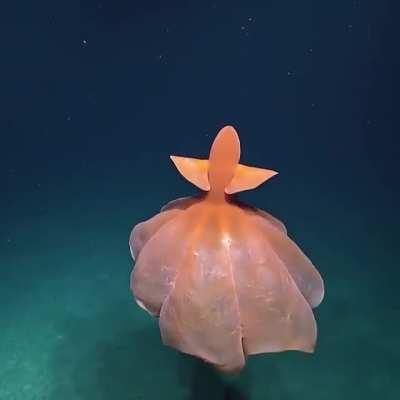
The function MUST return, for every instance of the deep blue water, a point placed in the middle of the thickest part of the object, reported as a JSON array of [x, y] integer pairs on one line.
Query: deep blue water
[[97, 95]]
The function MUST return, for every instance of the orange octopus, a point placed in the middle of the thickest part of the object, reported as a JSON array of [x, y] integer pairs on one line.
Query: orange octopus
[[224, 279]]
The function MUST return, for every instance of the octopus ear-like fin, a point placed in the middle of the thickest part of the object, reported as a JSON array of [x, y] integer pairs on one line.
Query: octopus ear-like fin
[[246, 178], [194, 170]]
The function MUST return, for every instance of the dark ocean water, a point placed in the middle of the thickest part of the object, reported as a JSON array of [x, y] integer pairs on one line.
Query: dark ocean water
[[97, 95]]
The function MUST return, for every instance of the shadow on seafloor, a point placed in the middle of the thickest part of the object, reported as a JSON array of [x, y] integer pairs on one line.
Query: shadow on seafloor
[[105, 358]]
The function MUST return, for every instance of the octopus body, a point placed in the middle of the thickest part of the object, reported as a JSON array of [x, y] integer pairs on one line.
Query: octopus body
[[224, 279]]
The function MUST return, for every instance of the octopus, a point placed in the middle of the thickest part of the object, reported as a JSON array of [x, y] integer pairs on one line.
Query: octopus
[[224, 279]]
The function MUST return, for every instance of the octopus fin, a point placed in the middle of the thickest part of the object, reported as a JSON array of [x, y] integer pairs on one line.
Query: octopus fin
[[194, 170], [246, 178]]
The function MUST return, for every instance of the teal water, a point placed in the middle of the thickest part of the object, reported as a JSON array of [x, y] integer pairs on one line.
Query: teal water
[[71, 329]]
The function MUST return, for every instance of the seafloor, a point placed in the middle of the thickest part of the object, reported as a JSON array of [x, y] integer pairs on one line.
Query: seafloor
[[71, 330]]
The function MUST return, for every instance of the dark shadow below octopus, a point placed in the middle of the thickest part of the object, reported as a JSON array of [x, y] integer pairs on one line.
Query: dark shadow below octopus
[[98, 358]]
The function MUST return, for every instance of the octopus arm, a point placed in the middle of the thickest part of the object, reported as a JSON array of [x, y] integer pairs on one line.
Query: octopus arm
[[272, 220], [143, 231], [153, 276], [251, 210], [181, 204], [201, 316], [299, 266], [274, 314]]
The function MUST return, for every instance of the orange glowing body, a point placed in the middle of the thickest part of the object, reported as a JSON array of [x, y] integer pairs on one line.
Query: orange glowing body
[[224, 279]]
